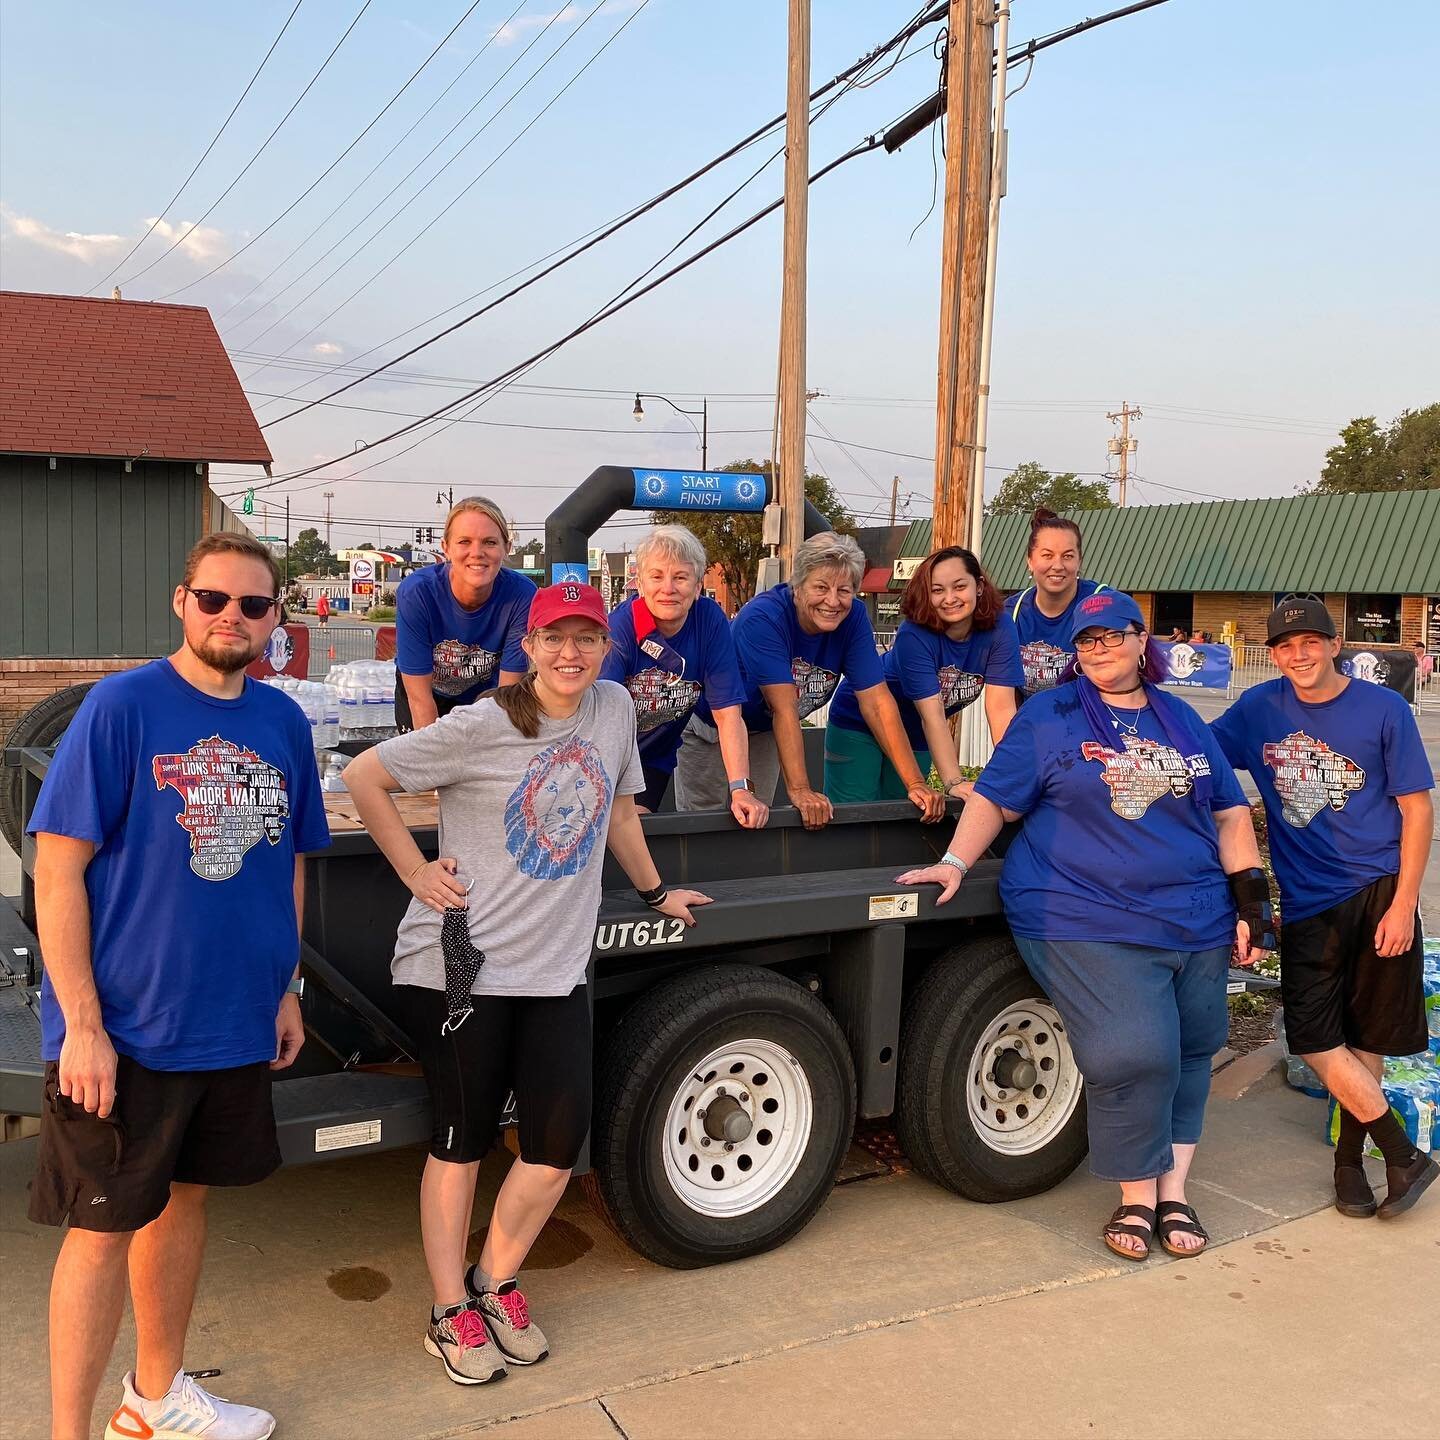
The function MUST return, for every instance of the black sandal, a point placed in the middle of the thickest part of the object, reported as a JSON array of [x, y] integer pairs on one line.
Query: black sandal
[[1114, 1228], [1188, 1223]]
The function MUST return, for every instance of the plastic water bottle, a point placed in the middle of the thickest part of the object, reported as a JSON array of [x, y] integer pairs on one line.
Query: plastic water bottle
[[374, 694], [349, 702], [334, 777], [387, 693], [314, 710], [331, 697]]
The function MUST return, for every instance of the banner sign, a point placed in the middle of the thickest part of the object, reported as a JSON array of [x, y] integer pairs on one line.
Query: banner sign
[[1394, 669], [698, 490], [576, 570], [287, 652], [1202, 665]]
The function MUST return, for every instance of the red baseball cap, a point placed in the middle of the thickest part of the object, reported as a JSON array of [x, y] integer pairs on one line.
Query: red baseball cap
[[565, 601]]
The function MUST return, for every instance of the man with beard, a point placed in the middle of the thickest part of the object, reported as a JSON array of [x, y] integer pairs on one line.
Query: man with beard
[[168, 883]]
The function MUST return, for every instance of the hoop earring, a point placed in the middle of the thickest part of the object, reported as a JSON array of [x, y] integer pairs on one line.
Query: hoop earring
[[1141, 666]]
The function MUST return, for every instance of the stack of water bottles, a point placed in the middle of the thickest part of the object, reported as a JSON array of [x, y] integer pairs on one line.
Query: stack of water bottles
[[365, 693], [1411, 1083]]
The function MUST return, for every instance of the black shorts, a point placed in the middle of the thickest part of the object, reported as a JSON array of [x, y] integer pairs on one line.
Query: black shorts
[[657, 782], [535, 1045], [1338, 991], [197, 1127], [444, 704]]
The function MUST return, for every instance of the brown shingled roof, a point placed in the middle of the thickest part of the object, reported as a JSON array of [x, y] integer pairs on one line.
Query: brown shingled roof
[[119, 377]]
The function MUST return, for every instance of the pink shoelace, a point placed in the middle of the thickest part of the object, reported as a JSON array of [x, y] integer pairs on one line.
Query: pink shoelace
[[469, 1328], [516, 1308]]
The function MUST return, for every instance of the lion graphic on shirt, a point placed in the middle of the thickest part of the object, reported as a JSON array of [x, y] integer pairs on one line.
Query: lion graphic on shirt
[[558, 811], [1309, 775], [1140, 774]]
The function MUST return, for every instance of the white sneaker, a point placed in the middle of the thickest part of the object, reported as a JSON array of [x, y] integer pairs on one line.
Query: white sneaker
[[185, 1411]]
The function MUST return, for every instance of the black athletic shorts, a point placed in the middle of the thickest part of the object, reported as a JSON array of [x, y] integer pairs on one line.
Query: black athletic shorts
[[1338, 991], [444, 704], [657, 782], [536, 1045], [198, 1127]]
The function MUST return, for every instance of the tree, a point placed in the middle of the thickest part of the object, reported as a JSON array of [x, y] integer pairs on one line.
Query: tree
[[310, 555], [733, 541], [1403, 455], [1030, 485]]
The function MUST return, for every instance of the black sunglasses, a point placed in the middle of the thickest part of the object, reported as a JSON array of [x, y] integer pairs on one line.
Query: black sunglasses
[[213, 602]]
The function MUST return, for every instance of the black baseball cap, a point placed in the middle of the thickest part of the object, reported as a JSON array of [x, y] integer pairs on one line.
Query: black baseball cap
[[1297, 613]]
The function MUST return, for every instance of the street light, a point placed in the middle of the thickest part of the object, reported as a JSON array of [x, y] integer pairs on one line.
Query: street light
[[702, 430]]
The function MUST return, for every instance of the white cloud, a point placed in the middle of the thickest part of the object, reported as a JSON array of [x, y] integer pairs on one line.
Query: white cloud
[[203, 243], [67, 242], [327, 347]]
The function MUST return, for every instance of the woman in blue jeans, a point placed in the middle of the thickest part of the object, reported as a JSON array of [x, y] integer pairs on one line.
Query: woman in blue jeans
[[1133, 880]]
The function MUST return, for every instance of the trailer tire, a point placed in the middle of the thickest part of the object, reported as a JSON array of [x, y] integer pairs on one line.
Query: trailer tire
[[733, 1038], [958, 1126], [43, 725]]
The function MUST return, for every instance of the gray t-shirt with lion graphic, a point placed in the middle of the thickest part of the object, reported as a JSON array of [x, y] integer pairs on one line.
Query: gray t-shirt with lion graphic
[[527, 820]]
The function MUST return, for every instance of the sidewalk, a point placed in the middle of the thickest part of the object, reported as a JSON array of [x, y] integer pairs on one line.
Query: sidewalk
[[1316, 1329]]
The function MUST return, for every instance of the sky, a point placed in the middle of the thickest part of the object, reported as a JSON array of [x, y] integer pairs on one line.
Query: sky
[[1223, 213]]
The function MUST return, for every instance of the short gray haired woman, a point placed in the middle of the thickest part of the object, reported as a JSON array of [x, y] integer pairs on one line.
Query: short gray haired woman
[[671, 648], [793, 644]]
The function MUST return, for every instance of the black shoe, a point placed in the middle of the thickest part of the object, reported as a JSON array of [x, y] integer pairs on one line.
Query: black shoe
[[1353, 1195], [1407, 1185]]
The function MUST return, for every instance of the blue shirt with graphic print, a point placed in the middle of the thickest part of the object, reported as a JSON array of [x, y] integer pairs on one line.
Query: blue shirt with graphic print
[[1045, 646], [664, 697], [923, 662], [197, 808], [465, 650], [1329, 775], [1112, 846], [773, 650]]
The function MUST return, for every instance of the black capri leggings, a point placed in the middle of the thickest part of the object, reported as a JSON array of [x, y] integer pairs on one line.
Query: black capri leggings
[[537, 1045]]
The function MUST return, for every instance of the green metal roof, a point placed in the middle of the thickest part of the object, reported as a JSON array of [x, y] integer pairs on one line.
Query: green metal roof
[[1382, 542]]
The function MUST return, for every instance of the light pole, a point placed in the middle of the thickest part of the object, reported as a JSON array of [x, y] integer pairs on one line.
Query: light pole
[[702, 430]]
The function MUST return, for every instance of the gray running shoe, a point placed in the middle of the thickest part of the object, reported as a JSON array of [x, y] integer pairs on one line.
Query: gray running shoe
[[458, 1340], [507, 1318]]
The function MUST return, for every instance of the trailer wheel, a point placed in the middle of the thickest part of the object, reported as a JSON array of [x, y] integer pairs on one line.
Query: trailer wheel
[[724, 1104], [991, 1103], [40, 726]]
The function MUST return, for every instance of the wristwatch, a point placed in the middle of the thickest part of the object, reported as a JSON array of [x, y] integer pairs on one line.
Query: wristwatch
[[956, 862], [296, 986], [737, 785]]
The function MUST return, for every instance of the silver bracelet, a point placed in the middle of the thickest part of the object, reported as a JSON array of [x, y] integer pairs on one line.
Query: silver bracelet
[[954, 860]]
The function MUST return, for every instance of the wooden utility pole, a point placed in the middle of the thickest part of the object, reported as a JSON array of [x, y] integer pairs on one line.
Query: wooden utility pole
[[1122, 445], [792, 295], [968, 62], [894, 499]]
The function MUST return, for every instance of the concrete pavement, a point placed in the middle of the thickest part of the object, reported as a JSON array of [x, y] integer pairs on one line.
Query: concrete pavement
[[901, 1310]]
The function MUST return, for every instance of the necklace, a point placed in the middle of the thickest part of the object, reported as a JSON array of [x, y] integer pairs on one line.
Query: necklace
[[1124, 726]]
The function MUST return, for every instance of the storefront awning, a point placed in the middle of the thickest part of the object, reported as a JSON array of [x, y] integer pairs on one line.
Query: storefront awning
[[875, 581]]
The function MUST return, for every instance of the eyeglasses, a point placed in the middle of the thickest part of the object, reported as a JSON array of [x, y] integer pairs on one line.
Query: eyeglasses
[[1110, 639], [587, 642], [213, 602]]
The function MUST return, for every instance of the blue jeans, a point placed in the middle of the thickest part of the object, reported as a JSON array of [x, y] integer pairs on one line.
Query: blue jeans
[[1144, 1024]]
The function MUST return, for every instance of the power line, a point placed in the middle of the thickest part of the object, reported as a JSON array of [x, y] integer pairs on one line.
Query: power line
[[164, 210], [405, 205], [595, 237], [180, 240], [375, 120]]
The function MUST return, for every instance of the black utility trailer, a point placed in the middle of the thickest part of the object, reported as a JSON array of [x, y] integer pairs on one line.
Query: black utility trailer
[[732, 1059]]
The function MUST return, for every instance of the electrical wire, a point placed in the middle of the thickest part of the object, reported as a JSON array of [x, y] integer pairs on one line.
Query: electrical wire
[[628, 217], [405, 205], [215, 139], [195, 225], [375, 120]]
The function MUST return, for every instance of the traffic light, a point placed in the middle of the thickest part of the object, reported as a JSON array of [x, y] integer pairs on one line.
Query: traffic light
[[419, 534], [429, 534]]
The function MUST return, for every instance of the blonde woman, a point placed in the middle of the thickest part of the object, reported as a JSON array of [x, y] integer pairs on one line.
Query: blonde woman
[[458, 625]]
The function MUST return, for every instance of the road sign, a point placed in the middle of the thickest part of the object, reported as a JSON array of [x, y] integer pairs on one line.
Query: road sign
[[248, 507]]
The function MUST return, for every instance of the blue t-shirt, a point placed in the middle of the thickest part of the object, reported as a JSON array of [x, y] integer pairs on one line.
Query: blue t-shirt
[[664, 697], [1045, 645], [773, 650], [197, 808], [1329, 775], [465, 650], [924, 662], [1113, 846]]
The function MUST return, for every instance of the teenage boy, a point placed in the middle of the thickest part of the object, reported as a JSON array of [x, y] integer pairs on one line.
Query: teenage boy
[[1346, 785], [168, 883]]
